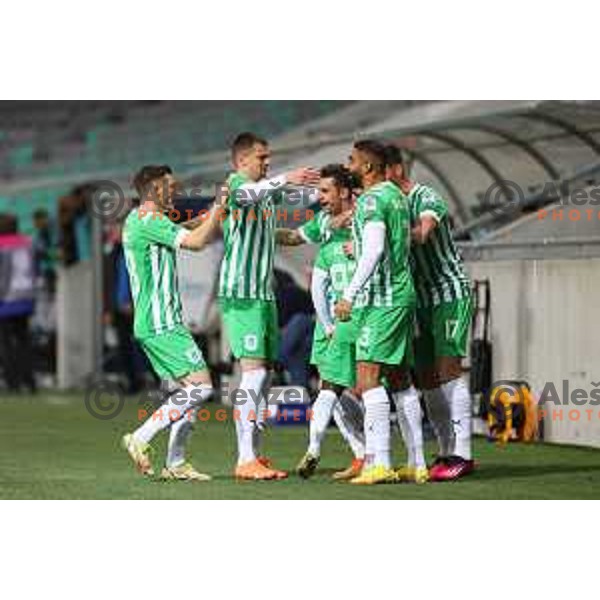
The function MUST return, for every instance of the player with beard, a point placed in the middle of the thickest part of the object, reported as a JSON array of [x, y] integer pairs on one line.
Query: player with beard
[[444, 313], [150, 242], [379, 299]]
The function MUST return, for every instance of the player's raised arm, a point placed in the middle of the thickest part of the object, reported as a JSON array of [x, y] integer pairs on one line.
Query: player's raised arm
[[315, 230], [288, 237], [193, 223], [252, 192], [219, 204], [430, 209], [249, 183], [205, 232], [423, 229]]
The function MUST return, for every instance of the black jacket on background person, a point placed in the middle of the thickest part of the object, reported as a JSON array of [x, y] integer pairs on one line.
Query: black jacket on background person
[[17, 288]]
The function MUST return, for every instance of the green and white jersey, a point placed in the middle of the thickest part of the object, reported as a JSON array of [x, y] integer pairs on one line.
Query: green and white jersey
[[437, 266], [249, 244], [149, 243], [391, 282], [318, 229], [332, 259]]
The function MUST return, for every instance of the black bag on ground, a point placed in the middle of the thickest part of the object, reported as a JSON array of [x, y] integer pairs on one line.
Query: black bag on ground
[[480, 379]]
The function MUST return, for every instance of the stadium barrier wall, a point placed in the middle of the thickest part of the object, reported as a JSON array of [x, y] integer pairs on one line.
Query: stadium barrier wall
[[545, 328], [197, 274], [75, 325]]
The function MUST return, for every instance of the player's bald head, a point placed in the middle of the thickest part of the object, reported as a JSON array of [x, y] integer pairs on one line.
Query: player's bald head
[[393, 156], [394, 164]]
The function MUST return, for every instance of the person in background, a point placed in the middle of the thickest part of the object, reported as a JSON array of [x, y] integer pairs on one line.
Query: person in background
[[296, 323], [16, 306], [119, 312], [44, 250], [75, 225]]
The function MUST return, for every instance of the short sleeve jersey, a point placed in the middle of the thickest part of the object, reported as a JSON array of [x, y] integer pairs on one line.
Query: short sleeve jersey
[[149, 243], [437, 266]]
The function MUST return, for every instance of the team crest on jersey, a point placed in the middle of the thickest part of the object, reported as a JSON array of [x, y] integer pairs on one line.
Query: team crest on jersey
[[428, 196], [370, 204], [194, 356]]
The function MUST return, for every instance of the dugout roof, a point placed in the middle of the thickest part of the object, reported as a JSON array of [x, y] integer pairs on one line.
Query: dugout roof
[[475, 151]]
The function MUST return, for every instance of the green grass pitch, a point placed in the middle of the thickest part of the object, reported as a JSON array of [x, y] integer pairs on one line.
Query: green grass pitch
[[50, 447]]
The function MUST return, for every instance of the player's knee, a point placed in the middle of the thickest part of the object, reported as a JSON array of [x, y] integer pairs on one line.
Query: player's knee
[[365, 386], [199, 394], [368, 377], [398, 380], [448, 368], [252, 364], [334, 387], [188, 397]]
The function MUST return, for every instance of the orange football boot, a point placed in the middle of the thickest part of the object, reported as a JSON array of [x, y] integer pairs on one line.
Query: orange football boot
[[351, 472], [254, 471], [265, 461]]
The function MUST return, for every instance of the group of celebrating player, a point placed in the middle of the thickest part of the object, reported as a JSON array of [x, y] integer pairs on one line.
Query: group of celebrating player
[[391, 296]]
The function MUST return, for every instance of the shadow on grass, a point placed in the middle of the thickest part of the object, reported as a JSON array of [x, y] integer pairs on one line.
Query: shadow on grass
[[495, 471]]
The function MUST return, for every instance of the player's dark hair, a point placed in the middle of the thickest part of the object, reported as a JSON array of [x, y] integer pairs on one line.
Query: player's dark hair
[[393, 156], [342, 177], [147, 174], [244, 142], [375, 152]]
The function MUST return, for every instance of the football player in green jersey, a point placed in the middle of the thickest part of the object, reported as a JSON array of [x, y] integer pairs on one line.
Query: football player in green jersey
[[245, 289], [333, 351], [380, 299], [444, 312], [150, 242]]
